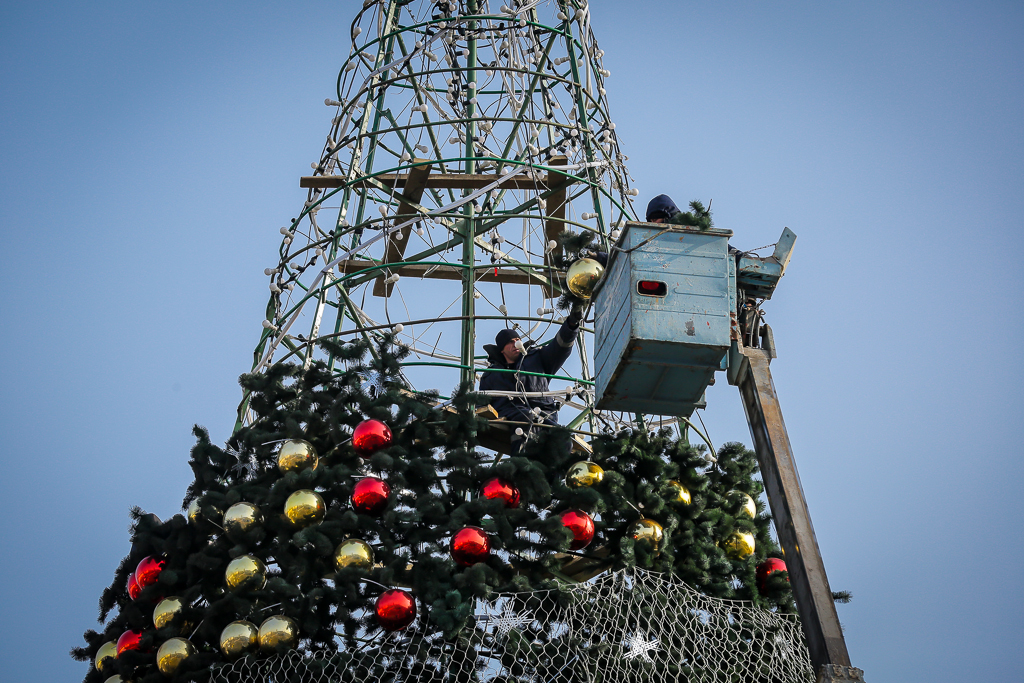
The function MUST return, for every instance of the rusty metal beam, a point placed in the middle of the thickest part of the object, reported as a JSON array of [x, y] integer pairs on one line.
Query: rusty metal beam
[[457, 181], [792, 520], [413, 192]]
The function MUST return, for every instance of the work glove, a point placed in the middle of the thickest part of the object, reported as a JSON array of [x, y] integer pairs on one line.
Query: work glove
[[575, 317]]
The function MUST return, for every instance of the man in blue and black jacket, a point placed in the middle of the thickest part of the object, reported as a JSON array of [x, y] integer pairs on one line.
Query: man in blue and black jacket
[[509, 353]]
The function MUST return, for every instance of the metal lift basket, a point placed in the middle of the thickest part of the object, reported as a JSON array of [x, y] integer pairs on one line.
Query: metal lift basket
[[665, 317]]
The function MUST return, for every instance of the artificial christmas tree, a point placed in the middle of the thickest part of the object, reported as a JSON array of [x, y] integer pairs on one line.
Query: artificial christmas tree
[[327, 573]]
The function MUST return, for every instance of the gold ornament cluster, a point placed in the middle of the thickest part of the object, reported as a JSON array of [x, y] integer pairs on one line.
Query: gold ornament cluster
[[276, 633], [303, 508]]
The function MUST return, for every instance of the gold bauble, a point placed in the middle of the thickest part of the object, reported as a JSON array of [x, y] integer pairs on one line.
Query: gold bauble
[[677, 493], [296, 455], [582, 276], [353, 553], [246, 571], [749, 509], [169, 612], [584, 473], [277, 632], [195, 512], [239, 638], [241, 517], [304, 507], [647, 532], [106, 655], [172, 653], [739, 545]]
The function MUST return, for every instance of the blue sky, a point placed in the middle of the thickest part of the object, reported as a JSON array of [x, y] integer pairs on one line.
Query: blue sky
[[151, 151]]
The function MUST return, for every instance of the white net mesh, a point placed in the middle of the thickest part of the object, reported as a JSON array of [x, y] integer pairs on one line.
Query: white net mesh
[[623, 626]]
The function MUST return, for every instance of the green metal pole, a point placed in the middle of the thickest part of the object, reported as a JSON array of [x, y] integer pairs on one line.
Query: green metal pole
[[469, 229]]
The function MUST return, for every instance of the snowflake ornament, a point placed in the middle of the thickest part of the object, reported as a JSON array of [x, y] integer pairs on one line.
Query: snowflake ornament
[[640, 647], [373, 383], [244, 468], [508, 620]]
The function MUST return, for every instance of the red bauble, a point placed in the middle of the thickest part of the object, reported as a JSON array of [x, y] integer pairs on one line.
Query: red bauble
[[772, 564], [470, 545], [129, 640], [148, 571], [370, 436], [499, 488], [581, 526], [395, 609], [370, 496], [133, 587]]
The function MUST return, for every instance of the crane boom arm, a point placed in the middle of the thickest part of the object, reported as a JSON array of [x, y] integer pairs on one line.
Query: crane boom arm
[[793, 522]]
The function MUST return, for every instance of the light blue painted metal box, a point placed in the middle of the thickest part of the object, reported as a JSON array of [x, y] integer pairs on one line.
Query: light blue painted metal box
[[664, 314]]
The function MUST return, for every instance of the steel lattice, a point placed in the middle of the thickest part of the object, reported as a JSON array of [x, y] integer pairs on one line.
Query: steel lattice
[[515, 92]]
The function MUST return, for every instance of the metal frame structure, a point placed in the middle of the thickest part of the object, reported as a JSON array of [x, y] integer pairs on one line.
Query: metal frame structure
[[465, 139]]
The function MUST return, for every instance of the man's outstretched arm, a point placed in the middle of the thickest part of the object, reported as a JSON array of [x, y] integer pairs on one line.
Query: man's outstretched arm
[[555, 353]]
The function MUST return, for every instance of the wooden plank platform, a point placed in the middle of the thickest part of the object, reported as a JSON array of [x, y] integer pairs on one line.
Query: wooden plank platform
[[470, 181], [504, 275]]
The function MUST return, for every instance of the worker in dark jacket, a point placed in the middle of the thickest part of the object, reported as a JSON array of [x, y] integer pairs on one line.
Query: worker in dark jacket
[[509, 353]]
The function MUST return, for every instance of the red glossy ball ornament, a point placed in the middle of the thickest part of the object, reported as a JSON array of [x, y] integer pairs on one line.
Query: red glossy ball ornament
[[470, 545], [582, 527], [395, 609], [370, 496], [370, 436], [129, 640], [133, 586], [769, 566], [499, 488], [148, 571]]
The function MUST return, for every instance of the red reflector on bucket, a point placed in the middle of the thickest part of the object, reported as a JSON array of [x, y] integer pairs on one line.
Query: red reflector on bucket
[[651, 288]]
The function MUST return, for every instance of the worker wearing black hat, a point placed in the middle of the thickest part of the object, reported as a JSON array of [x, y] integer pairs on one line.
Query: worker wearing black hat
[[509, 353], [661, 208]]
